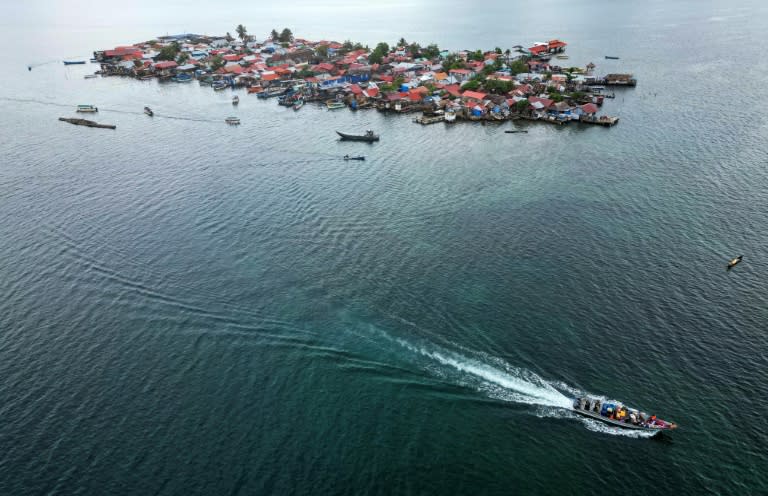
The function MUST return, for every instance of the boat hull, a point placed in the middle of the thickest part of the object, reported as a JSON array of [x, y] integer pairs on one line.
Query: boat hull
[[354, 137]]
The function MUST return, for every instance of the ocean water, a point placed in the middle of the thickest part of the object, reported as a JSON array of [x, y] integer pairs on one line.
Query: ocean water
[[192, 308]]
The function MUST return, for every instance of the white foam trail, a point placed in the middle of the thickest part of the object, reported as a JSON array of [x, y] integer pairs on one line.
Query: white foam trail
[[504, 382]]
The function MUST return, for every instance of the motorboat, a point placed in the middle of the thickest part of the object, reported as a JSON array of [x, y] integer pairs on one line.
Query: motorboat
[[219, 85], [235, 100], [333, 105], [609, 57], [148, 111], [359, 157], [369, 136], [74, 62], [87, 108], [183, 78], [618, 415], [735, 261], [232, 120], [90, 76], [299, 103], [513, 131]]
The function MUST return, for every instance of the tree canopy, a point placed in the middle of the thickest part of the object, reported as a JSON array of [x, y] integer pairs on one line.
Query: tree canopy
[[169, 52], [242, 32], [217, 62], [286, 36], [274, 35], [378, 53], [431, 51]]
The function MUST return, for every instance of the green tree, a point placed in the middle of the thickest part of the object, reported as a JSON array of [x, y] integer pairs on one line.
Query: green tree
[[402, 43], [507, 52], [378, 53], [348, 45], [521, 106], [431, 51], [472, 85], [453, 61], [414, 49], [322, 51], [242, 32], [476, 55], [217, 62], [229, 37], [518, 67], [274, 35], [137, 63], [359, 46], [169, 52], [286, 36], [182, 58], [497, 50]]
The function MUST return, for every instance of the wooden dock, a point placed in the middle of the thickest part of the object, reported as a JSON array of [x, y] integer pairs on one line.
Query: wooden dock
[[431, 119], [603, 120]]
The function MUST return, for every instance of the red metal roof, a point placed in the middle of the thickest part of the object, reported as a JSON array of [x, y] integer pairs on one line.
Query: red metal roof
[[589, 108], [476, 95], [355, 89], [538, 49], [167, 64]]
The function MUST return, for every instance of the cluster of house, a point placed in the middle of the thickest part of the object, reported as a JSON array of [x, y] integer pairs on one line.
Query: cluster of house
[[399, 79]]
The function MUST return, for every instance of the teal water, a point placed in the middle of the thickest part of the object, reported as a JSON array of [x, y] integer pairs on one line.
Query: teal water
[[193, 308]]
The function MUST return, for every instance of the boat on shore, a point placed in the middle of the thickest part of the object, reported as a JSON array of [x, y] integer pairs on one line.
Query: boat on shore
[[232, 120], [183, 78], [74, 62], [87, 108], [359, 157], [618, 415], [87, 123], [609, 57], [148, 111], [219, 85], [299, 103], [368, 137], [734, 262], [235, 100]]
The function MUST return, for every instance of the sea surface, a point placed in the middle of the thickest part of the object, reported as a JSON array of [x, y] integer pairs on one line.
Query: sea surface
[[192, 308]]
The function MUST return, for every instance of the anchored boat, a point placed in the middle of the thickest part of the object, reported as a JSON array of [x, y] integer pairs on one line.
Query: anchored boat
[[235, 100], [621, 416], [359, 157], [74, 62], [87, 108], [148, 111], [333, 105], [369, 136], [232, 120]]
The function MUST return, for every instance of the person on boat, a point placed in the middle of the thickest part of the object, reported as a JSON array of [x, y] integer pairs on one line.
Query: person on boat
[[597, 406], [583, 403]]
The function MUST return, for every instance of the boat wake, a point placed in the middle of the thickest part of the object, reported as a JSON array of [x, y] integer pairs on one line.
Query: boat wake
[[489, 375], [499, 380]]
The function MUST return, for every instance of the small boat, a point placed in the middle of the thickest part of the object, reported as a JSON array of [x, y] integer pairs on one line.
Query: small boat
[[734, 262], [148, 111], [183, 78], [609, 57], [562, 57], [299, 103], [74, 62], [219, 85], [90, 76], [369, 136], [87, 123], [516, 131], [359, 157], [87, 108], [333, 105], [232, 120], [235, 100], [255, 89], [619, 415]]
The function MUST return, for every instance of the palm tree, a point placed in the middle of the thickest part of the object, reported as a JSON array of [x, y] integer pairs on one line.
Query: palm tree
[[242, 32], [507, 52]]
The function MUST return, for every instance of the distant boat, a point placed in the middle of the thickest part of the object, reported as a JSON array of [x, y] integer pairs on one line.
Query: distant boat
[[74, 62], [87, 108], [359, 157], [333, 105], [90, 76], [219, 85], [735, 261], [611, 58], [369, 136], [148, 111], [235, 100], [232, 120], [516, 131], [183, 78], [562, 57]]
